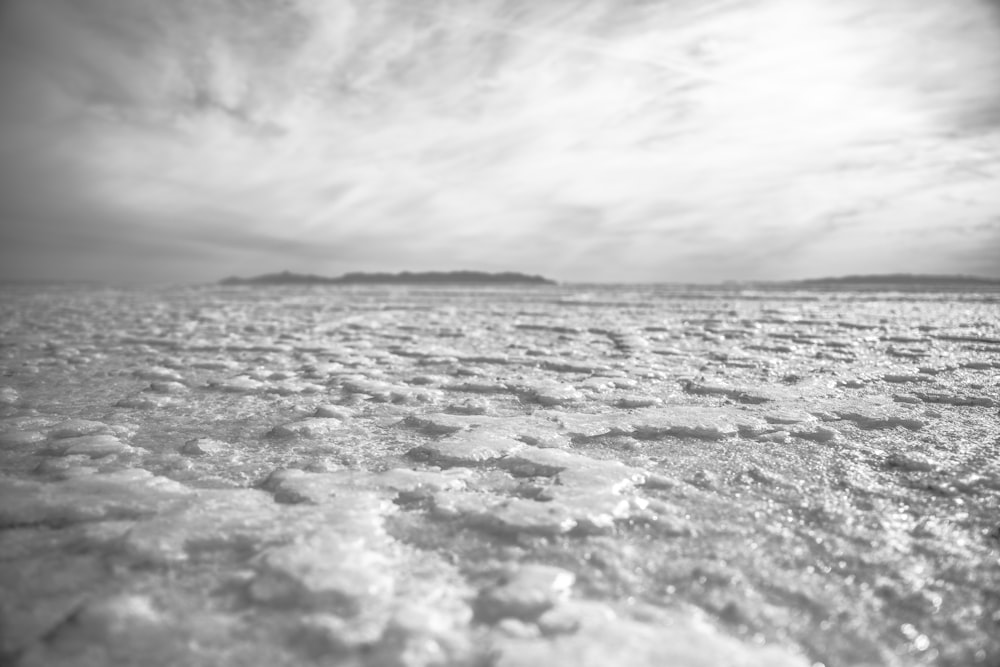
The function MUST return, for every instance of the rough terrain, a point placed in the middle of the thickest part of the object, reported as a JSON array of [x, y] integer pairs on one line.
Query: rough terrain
[[553, 476]]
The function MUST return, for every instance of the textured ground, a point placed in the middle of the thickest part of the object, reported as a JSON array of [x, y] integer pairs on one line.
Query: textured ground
[[551, 475]]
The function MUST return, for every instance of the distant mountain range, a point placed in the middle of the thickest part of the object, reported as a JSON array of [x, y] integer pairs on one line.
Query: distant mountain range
[[897, 279], [404, 278], [891, 282]]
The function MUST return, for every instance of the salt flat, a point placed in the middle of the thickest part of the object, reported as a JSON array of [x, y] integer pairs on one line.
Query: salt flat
[[498, 476]]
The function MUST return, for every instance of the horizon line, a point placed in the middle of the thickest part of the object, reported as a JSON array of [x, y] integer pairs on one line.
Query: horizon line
[[728, 282]]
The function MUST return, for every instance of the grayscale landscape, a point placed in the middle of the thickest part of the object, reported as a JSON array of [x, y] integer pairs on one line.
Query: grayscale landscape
[[500, 333], [503, 475]]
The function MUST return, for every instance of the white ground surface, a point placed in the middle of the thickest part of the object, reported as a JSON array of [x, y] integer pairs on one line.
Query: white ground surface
[[519, 476]]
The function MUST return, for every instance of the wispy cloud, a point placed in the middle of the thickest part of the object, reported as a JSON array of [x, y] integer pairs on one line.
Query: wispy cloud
[[586, 139]]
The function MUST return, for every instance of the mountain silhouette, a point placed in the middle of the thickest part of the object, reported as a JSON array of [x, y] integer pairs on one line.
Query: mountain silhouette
[[403, 278]]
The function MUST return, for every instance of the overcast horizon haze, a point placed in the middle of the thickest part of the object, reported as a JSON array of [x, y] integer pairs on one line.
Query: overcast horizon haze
[[582, 140]]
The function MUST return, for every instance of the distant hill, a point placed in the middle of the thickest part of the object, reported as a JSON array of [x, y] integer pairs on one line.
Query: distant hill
[[404, 278], [900, 279], [283, 278], [902, 282]]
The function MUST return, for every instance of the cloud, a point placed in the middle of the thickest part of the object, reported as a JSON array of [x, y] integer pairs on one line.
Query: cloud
[[584, 139]]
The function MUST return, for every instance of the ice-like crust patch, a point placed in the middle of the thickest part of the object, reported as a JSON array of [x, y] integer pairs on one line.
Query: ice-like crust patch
[[78, 427], [739, 394], [946, 398], [9, 396], [597, 637], [315, 427], [341, 568], [237, 385], [385, 392], [17, 439], [204, 447], [121, 494], [466, 448], [680, 421], [94, 446], [525, 593], [874, 417], [298, 486]]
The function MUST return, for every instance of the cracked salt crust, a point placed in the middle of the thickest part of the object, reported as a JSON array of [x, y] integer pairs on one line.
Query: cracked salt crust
[[497, 477]]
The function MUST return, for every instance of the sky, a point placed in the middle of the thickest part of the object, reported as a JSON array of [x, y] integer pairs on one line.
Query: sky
[[583, 140]]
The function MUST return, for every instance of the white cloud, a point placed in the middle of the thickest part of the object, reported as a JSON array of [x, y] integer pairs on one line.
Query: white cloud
[[585, 138]]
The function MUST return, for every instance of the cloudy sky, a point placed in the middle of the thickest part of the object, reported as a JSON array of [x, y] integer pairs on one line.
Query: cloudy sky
[[586, 140]]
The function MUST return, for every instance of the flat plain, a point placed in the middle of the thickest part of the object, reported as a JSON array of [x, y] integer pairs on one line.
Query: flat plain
[[498, 476]]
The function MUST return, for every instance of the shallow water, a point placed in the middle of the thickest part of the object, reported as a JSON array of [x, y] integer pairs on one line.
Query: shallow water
[[508, 476]]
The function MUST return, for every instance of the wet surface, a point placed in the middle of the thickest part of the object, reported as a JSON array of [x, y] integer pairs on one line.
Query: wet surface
[[543, 475]]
